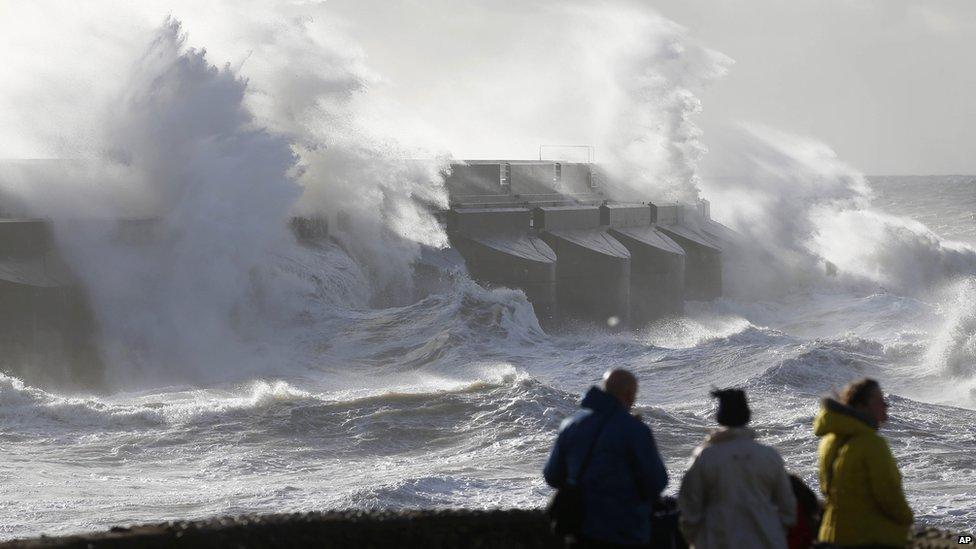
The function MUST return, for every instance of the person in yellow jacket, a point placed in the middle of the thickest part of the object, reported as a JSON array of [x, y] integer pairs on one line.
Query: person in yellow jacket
[[866, 506]]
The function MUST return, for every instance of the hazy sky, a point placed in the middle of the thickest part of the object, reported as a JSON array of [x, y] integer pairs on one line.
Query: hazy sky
[[889, 84]]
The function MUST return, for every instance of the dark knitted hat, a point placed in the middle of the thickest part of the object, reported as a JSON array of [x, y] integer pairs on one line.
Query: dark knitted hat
[[733, 409]]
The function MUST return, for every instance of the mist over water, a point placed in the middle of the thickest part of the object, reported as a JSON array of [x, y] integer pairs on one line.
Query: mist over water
[[248, 373]]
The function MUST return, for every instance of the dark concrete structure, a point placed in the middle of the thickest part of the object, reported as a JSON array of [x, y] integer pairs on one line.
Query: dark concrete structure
[[499, 250], [46, 329], [542, 227], [593, 269], [628, 262], [657, 266], [488, 183], [309, 229], [703, 263]]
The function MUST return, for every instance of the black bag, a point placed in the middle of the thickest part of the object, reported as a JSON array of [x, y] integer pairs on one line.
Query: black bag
[[665, 533], [565, 509], [566, 512]]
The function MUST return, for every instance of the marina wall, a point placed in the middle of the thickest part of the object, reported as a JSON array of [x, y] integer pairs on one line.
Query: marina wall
[[703, 253], [612, 262], [592, 268], [46, 329], [499, 250], [657, 262]]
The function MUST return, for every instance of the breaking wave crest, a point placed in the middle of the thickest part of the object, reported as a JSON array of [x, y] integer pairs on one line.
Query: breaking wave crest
[[953, 350]]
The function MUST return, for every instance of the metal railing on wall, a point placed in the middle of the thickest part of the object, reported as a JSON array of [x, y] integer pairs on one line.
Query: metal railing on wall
[[590, 151]]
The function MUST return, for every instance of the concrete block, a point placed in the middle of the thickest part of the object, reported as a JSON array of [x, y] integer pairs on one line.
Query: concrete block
[[475, 179], [625, 215], [520, 261], [703, 263], [592, 274], [537, 178], [575, 178], [668, 214], [558, 218], [309, 228], [25, 237], [657, 273], [534, 178], [45, 321], [474, 221]]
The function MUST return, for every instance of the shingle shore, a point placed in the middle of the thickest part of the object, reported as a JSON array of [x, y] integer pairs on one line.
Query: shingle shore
[[426, 529]]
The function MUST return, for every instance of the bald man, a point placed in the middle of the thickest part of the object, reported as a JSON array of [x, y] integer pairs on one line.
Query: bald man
[[611, 457]]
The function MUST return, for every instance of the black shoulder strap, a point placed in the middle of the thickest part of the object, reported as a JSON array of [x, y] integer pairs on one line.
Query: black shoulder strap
[[589, 451]]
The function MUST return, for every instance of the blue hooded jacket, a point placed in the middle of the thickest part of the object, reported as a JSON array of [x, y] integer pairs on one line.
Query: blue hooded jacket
[[625, 474]]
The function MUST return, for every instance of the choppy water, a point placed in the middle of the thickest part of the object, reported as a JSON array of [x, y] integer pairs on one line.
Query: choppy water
[[453, 401]]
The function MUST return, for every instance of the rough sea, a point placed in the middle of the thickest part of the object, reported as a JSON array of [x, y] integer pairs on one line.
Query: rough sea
[[453, 401]]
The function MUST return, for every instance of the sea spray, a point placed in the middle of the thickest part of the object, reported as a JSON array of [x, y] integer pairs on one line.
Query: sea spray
[[217, 163], [773, 187], [808, 222], [895, 252], [176, 152], [219, 192], [953, 350], [649, 72], [309, 83]]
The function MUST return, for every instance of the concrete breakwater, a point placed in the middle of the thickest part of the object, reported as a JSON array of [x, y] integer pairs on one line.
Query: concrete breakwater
[[429, 529], [44, 316], [548, 228], [48, 330]]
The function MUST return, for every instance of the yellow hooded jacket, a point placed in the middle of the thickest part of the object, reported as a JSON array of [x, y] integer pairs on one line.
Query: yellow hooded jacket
[[860, 479]]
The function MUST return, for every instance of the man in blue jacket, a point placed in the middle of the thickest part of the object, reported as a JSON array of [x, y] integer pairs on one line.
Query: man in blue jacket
[[625, 474]]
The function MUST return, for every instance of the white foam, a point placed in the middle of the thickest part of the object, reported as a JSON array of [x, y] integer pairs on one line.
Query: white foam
[[952, 352], [688, 332]]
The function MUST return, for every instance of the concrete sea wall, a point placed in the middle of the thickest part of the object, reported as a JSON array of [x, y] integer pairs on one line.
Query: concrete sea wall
[[580, 255], [509, 529]]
